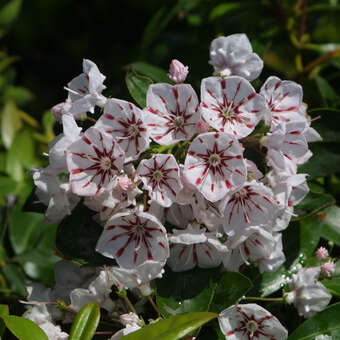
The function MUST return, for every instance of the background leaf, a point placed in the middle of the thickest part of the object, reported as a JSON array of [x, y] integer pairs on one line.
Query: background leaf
[[138, 86]]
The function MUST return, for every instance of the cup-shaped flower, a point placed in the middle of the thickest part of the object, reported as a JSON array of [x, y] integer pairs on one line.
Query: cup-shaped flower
[[250, 322], [123, 121], [94, 161], [231, 105], [161, 177], [178, 72], [172, 113], [215, 165], [133, 238], [233, 55], [252, 205], [85, 90], [284, 100], [195, 247]]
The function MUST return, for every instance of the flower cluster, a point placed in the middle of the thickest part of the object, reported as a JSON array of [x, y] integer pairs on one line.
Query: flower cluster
[[177, 182]]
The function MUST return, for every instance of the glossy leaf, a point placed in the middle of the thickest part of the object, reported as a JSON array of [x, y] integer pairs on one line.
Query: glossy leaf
[[310, 232], [319, 165], [223, 9], [230, 288], [326, 90], [329, 220], [312, 204], [333, 285], [157, 74], [10, 123], [85, 322], [3, 311], [138, 86], [324, 322], [174, 328], [169, 306], [23, 329]]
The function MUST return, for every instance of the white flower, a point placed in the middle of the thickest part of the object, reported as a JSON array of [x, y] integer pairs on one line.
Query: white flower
[[133, 238], [233, 55], [231, 105], [195, 247], [215, 165], [85, 90], [284, 100], [123, 121], [323, 337], [308, 295], [172, 113], [55, 194], [178, 72], [57, 152], [94, 161], [252, 205], [250, 322], [160, 175], [60, 109], [125, 331], [138, 277]]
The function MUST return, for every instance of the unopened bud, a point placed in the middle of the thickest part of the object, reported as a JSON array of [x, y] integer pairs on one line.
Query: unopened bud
[[321, 253], [125, 183], [328, 268], [202, 126], [178, 72]]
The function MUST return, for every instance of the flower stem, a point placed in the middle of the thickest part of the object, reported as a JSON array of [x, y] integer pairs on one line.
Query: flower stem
[[154, 306], [263, 298], [130, 305]]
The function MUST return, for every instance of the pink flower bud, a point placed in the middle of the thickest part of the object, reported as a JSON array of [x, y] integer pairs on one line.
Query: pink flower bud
[[202, 126], [321, 253], [178, 72], [328, 268], [125, 183]]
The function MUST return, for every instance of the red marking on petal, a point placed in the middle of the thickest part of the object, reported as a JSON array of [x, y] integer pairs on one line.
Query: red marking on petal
[[130, 106], [223, 83], [251, 96], [250, 126], [246, 250], [204, 105], [216, 135], [109, 116], [152, 124], [158, 137], [161, 244], [229, 333], [175, 92], [278, 84], [238, 157], [76, 171], [228, 185], [120, 107], [191, 153], [86, 140], [290, 203], [198, 181], [212, 187], [110, 227]]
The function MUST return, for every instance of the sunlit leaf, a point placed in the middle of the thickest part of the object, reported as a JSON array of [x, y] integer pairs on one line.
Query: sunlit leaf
[[138, 86]]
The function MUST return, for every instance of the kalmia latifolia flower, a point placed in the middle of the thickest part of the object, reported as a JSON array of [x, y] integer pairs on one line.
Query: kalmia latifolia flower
[[215, 165], [133, 238], [172, 113], [93, 162], [233, 55], [231, 105], [178, 72], [160, 175], [123, 121], [250, 322]]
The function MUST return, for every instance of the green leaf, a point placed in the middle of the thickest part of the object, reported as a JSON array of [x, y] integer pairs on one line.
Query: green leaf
[[85, 322], [48, 122], [333, 285], [77, 237], [138, 86], [320, 165], [310, 232], [156, 73], [19, 95], [272, 282], [223, 9], [311, 204], [325, 322], [327, 126], [4, 310], [184, 289], [169, 306], [329, 220], [25, 229], [23, 329], [8, 14], [230, 288], [326, 90], [7, 186], [15, 278], [10, 123], [174, 328]]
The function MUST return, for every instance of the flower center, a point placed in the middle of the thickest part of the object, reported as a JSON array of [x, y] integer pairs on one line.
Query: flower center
[[179, 121], [215, 159], [227, 114], [252, 327], [242, 193], [105, 163], [139, 230], [133, 130], [157, 175]]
